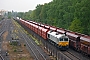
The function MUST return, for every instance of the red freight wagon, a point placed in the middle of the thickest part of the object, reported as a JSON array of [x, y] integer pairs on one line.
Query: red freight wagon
[[89, 50], [40, 31], [53, 28], [44, 33], [36, 23], [42, 25], [47, 26], [84, 48], [31, 26], [36, 28], [33, 22], [74, 40], [25, 23], [22, 21], [60, 30], [30, 21], [28, 24], [85, 44]]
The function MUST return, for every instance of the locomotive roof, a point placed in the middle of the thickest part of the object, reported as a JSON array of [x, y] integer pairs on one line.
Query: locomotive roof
[[56, 35]]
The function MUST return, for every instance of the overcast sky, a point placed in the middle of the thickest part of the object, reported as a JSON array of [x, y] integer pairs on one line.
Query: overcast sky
[[21, 5]]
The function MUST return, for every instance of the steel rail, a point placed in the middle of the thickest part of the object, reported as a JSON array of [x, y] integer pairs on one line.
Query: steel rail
[[33, 45], [70, 55], [30, 48], [2, 57]]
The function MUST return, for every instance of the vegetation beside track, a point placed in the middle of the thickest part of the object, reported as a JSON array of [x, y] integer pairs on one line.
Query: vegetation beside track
[[36, 40]]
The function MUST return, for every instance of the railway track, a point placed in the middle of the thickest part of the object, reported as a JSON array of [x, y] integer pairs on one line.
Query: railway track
[[1, 58], [2, 33], [70, 55], [33, 47], [4, 28], [39, 55]]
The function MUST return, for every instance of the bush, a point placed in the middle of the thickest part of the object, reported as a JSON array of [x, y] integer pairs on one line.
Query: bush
[[15, 50]]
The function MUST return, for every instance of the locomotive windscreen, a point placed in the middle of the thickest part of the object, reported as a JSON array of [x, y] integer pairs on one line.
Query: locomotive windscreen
[[63, 39]]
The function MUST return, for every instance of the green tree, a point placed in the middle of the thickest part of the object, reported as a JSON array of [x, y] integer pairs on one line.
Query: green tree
[[61, 13], [76, 26]]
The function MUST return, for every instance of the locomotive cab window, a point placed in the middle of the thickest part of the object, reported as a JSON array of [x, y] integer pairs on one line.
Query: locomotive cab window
[[61, 39], [65, 39]]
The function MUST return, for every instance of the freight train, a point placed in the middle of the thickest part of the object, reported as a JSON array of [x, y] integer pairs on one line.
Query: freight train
[[61, 37], [48, 33]]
